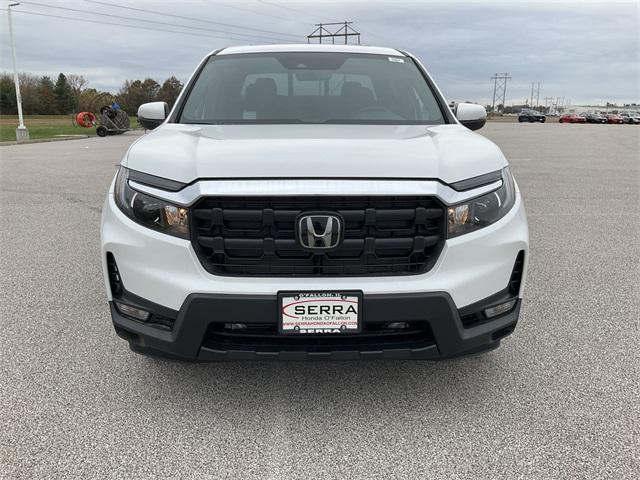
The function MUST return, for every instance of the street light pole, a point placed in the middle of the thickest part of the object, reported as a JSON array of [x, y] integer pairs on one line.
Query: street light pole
[[22, 133]]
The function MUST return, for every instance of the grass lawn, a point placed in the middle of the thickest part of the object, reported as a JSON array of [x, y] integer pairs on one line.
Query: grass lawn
[[45, 126]]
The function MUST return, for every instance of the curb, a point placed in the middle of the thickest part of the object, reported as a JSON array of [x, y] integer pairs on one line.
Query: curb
[[45, 140], [60, 139]]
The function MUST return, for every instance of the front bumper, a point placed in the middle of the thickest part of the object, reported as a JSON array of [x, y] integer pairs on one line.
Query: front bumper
[[437, 330]]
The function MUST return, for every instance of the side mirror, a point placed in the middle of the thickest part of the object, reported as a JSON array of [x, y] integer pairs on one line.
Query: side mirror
[[471, 115], [151, 115]]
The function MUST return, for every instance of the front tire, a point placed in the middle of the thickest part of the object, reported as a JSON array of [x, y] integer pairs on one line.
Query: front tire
[[102, 131]]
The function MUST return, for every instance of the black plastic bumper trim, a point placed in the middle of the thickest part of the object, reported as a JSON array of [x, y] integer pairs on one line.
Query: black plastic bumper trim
[[198, 311]]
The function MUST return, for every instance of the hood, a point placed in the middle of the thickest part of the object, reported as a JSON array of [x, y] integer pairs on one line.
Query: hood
[[188, 152]]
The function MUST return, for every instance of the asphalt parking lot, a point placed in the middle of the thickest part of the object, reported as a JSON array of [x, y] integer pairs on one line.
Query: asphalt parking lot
[[559, 399]]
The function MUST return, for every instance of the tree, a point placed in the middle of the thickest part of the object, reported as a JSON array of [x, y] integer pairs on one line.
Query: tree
[[170, 90], [135, 93], [150, 89], [65, 98], [47, 101], [78, 84], [29, 85], [8, 104]]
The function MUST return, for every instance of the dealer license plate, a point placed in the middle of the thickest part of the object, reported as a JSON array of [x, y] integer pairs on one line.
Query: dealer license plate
[[320, 313]]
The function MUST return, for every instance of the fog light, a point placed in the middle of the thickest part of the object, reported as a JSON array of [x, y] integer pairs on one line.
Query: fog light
[[500, 309], [398, 325], [235, 326], [130, 311]]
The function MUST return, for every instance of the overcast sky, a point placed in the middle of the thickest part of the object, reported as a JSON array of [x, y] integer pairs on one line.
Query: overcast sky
[[583, 50]]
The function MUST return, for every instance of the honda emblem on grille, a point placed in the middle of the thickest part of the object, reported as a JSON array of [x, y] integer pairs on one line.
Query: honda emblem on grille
[[319, 231]]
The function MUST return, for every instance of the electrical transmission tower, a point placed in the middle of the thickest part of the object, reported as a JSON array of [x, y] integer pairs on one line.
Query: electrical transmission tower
[[500, 89], [345, 30], [548, 104]]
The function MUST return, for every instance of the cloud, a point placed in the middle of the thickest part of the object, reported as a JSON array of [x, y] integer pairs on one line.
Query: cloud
[[585, 51]]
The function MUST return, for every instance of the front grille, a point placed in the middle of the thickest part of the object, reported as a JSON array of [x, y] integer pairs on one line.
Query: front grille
[[255, 236], [264, 337]]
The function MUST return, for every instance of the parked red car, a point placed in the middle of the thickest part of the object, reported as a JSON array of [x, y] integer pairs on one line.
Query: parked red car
[[572, 118], [614, 119]]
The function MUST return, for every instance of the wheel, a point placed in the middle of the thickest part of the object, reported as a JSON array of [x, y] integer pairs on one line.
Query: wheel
[[102, 131], [520, 119], [561, 121], [542, 120]]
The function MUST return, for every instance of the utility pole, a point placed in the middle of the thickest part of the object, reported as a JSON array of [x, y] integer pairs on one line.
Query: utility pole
[[345, 30], [499, 83], [531, 98], [22, 133], [535, 92]]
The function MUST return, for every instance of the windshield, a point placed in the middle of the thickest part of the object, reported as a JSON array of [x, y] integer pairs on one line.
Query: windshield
[[310, 87]]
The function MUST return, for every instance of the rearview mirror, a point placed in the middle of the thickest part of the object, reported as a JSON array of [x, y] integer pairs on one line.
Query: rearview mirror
[[151, 115], [312, 75], [471, 115]]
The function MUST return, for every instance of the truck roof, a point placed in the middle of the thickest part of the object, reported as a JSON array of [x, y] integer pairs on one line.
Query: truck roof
[[306, 47]]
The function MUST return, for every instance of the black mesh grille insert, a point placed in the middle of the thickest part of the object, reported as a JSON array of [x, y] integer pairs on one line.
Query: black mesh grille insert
[[516, 274], [265, 337], [114, 275], [255, 236]]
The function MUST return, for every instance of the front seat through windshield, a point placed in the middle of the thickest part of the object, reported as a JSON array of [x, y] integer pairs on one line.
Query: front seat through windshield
[[311, 87]]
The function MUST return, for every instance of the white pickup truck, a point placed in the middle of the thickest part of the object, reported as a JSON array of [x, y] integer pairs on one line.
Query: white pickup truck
[[313, 202]]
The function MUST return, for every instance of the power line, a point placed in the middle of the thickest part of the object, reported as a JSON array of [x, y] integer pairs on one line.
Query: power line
[[191, 18], [384, 40], [150, 21], [100, 22], [250, 10], [301, 12]]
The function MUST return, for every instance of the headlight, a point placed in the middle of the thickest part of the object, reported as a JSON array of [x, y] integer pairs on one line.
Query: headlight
[[149, 211], [482, 211]]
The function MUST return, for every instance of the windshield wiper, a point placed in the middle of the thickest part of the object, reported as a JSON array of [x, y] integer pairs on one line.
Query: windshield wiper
[[239, 121]]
